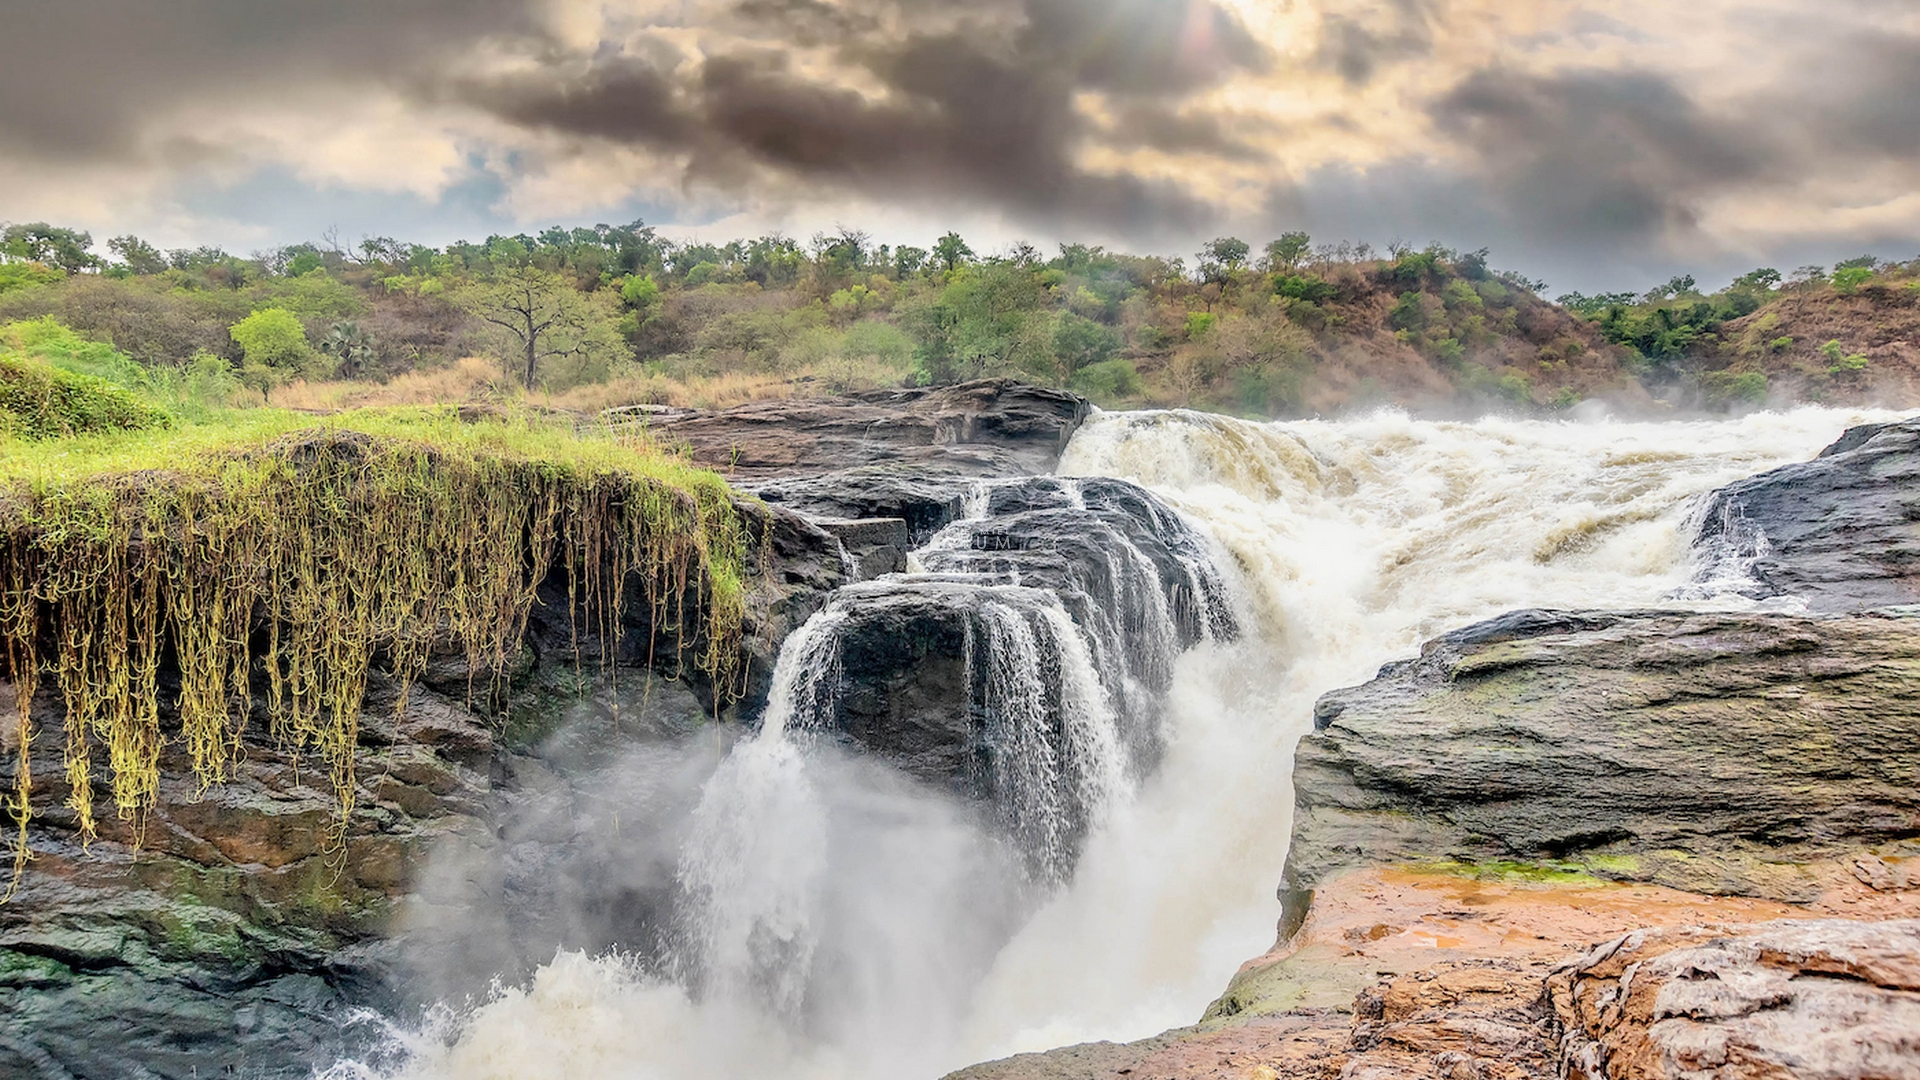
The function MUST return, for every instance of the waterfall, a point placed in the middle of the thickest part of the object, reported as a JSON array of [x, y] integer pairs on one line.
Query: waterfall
[[1142, 706]]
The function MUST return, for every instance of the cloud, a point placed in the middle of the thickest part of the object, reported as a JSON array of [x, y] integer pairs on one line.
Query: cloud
[[82, 79], [1587, 140], [1608, 157], [905, 101]]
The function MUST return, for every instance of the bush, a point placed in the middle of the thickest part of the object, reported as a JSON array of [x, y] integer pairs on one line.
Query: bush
[[1109, 380], [272, 338], [40, 401], [1726, 388], [27, 275], [1304, 287], [1848, 279]]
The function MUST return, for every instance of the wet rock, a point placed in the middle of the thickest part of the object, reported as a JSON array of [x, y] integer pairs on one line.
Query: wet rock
[[1820, 999], [1023, 663], [876, 546], [1841, 533], [1710, 752], [927, 501], [992, 427]]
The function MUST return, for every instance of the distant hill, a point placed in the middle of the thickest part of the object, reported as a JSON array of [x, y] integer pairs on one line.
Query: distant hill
[[629, 317]]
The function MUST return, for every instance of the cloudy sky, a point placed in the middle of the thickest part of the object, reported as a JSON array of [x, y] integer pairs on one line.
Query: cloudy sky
[[1595, 144]]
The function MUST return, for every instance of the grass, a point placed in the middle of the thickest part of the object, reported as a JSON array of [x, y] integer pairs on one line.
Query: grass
[[278, 554]]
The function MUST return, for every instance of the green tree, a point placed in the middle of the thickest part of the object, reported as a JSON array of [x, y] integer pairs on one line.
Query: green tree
[[1222, 257], [538, 315], [49, 244], [1289, 252], [140, 256], [951, 252], [272, 338], [1079, 342]]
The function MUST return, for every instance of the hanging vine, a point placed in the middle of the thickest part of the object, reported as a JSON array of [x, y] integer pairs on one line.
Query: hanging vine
[[298, 568]]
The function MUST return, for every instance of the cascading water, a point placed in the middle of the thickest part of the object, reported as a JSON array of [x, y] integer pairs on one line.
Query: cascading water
[[856, 925]]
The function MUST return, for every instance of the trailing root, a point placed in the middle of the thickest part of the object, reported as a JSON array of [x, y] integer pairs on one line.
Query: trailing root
[[289, 573]]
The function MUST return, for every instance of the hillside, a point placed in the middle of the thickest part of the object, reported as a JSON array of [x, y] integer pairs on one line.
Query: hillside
[[621, 316]]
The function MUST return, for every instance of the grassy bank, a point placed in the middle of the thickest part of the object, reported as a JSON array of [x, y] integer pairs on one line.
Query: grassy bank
[[266, 554]]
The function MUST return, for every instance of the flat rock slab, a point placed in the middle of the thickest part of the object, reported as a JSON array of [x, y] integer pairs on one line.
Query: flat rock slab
[[1815, 999], [1417, 973]]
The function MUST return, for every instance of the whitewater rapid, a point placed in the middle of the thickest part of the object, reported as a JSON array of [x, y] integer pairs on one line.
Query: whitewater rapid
[[1348, 543]]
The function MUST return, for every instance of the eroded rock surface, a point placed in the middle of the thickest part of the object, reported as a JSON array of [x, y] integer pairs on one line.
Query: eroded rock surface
[[992, 427], [1711, 752], [1841, 533], [1815, 999]]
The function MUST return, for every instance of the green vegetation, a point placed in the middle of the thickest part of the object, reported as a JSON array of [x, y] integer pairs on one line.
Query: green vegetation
[[1728, 345], [266, 555], [589, 318]]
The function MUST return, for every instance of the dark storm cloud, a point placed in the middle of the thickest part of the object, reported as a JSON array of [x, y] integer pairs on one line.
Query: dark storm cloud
[[1357, 49], [982, 110], [1598, 156], [79, 77]]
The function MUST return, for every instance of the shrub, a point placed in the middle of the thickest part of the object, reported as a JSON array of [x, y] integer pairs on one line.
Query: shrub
[[1305, 287], [1199, 323], [272, 338], [1726, 388], [40, 401], [1848, 279], [1108, 380], [27, 275]]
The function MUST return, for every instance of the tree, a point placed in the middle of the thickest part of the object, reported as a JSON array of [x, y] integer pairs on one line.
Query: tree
[[140, 256], [1288, 252], [539, 315], [1081, 343], [49, 244], [1229, 252], [272, 338], [951, 252]]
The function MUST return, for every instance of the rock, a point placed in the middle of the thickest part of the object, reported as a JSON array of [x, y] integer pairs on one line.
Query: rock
[[927, 501], [993, 427], [236, 940], [1841, 533], [1819, 999], [875, 545], [1710, 752]]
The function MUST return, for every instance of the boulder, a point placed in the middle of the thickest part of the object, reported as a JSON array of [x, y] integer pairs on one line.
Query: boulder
[[1839, 533], [1711, 752]]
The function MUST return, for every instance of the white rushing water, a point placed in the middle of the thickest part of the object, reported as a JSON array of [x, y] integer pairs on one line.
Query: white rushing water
[[1351, 541]]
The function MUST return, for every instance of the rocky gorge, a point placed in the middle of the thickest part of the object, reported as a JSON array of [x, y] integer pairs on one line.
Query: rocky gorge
[[1670, 840]]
